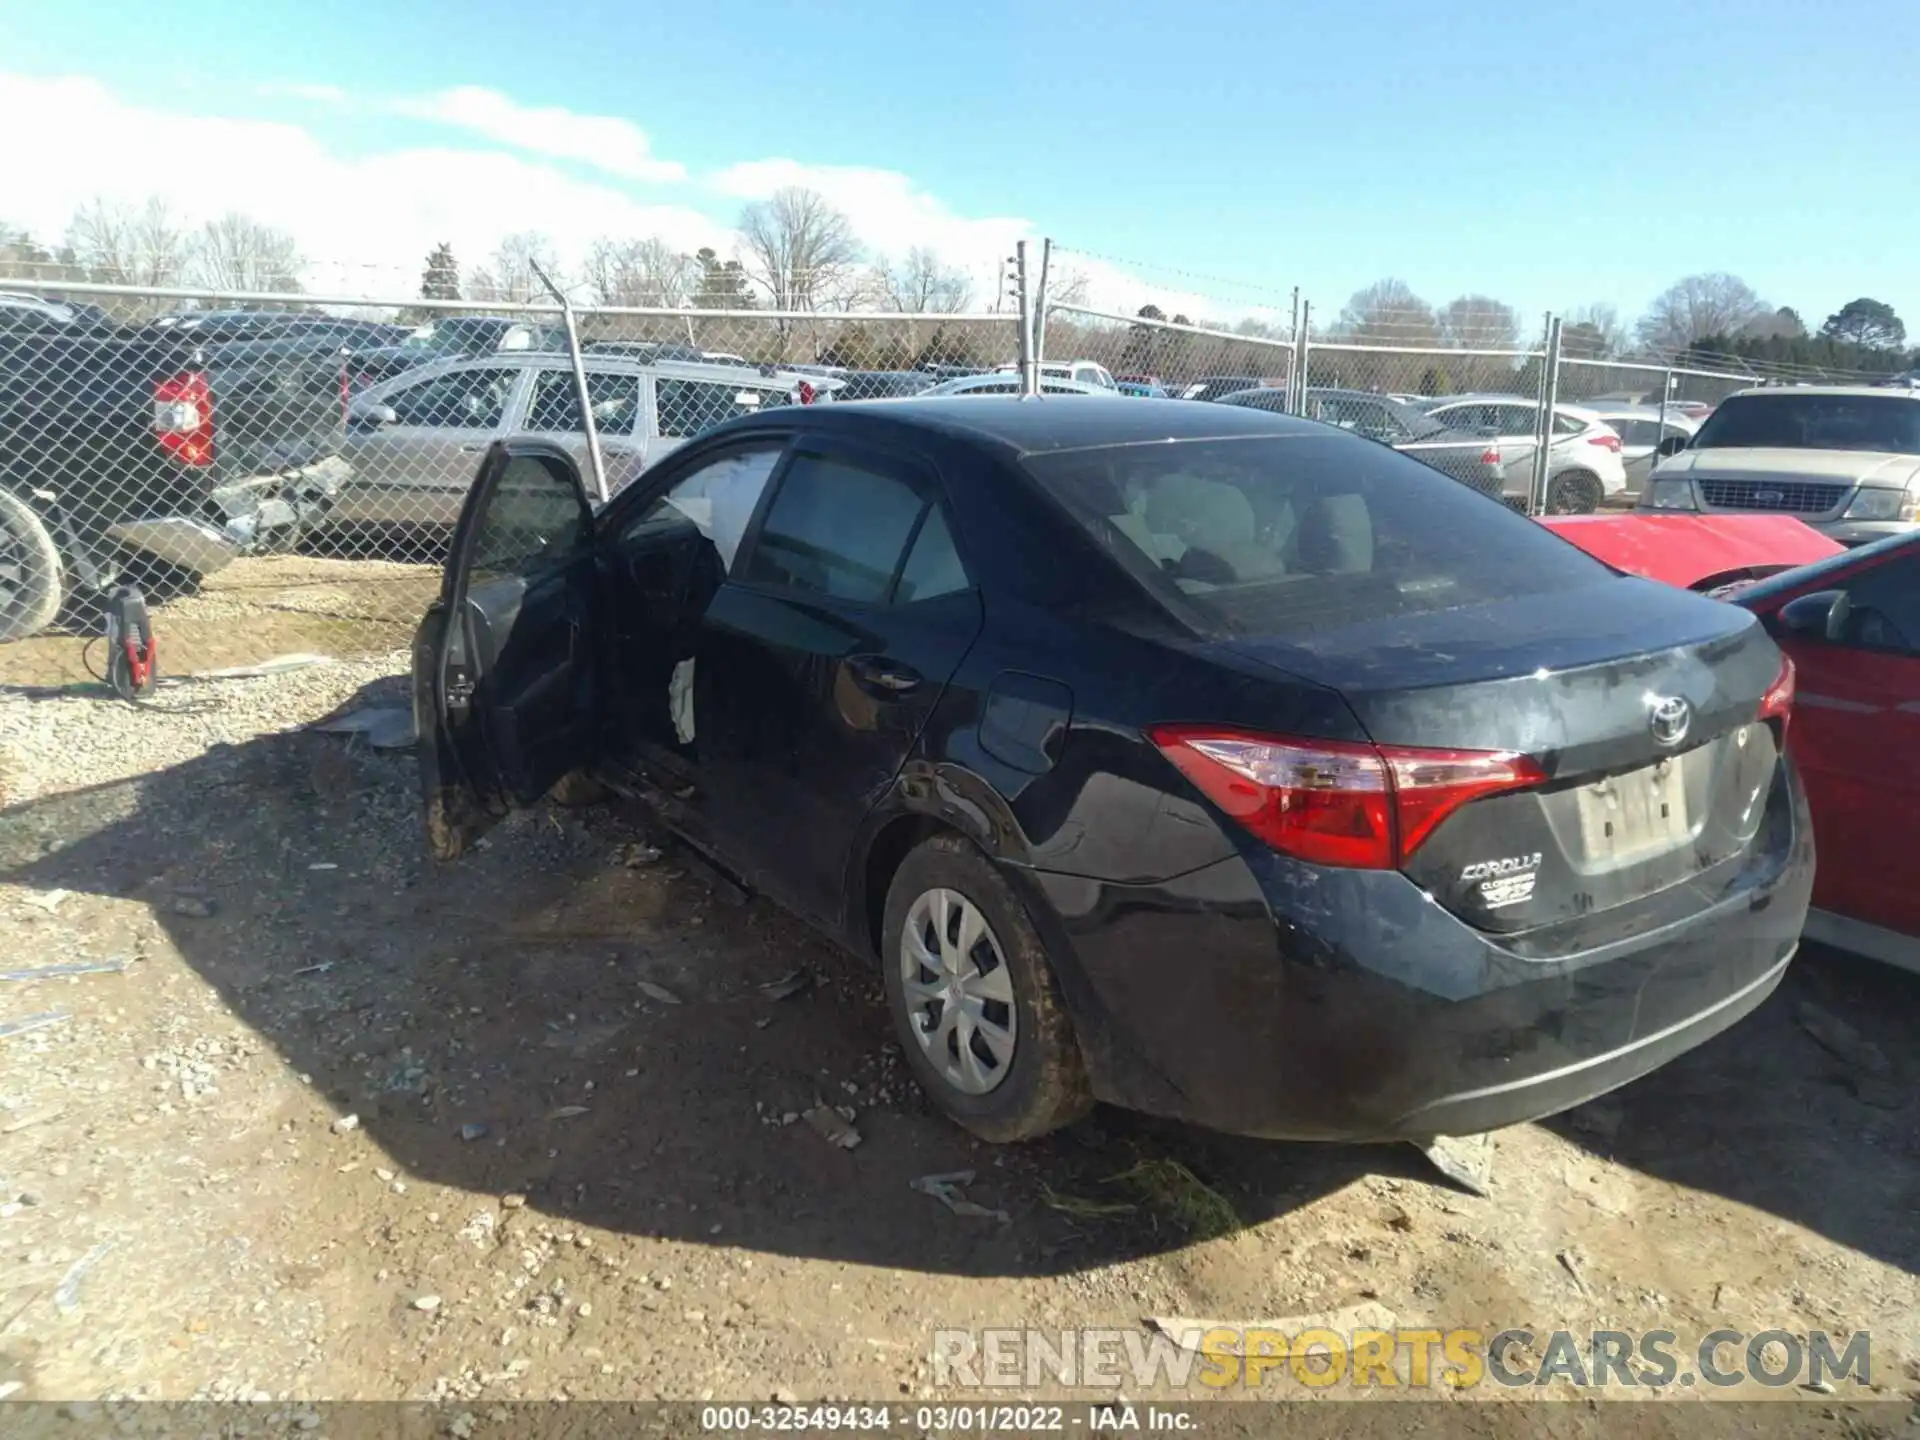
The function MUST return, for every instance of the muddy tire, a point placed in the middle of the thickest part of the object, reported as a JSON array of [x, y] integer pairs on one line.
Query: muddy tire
[[973, 997], [1574, 492], [31, 578]]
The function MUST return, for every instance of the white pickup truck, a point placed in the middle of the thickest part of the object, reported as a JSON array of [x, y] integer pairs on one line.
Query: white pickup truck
[[1843, 459]]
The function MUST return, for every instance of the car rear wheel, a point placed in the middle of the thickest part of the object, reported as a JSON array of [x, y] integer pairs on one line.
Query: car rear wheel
[[30, 572], [1575, 492], [974, 999]]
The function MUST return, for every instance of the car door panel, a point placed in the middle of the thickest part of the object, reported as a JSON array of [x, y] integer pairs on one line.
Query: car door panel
[[1856, 738], [815, 672], [506, 687], [418, 469]]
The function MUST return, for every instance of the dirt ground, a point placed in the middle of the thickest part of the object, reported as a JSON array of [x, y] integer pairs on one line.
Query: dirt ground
[[350, 1124]]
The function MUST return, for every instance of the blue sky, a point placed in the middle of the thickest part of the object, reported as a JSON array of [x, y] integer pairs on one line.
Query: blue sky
[[1550, 155]]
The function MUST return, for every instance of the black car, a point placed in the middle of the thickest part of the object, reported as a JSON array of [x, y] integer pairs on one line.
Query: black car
[[451, 337], [882, 384], [1210, 762], [1216, 387]]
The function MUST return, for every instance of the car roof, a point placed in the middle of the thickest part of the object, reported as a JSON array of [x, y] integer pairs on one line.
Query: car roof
[[601, 362], [1027, 425], [1564, 406], [1645, 412], [1867, 390]]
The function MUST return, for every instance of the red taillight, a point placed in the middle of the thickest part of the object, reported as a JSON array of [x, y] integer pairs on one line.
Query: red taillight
[[1490, 456], [183, 418], [1605, 442], [807, 393], [1338, 802], [1777, 703]]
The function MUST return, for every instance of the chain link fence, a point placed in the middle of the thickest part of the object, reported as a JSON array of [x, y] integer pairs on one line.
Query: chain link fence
[[283, 473]]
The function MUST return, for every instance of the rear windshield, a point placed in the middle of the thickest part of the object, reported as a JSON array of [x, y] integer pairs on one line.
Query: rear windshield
[[1886, 424], [1290, 535]]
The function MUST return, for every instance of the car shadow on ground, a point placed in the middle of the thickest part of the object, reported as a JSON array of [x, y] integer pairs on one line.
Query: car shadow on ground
[[565, 1015]]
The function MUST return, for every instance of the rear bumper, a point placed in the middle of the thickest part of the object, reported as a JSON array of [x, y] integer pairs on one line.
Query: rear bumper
[[239, 518], [1264, 997]]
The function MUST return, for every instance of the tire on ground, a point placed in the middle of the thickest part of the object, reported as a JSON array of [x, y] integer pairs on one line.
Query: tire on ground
[[1046, 1085], [30, 571]]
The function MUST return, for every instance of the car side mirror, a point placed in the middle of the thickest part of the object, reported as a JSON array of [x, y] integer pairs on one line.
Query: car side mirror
[[1819, 616], [1671, 446]]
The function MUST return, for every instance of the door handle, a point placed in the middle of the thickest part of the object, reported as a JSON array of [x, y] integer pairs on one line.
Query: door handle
[[879, 673]]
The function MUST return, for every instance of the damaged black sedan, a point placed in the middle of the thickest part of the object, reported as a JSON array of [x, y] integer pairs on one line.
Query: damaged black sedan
[[1198, 759]]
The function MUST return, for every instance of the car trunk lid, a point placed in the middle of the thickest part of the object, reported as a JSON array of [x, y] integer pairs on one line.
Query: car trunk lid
[[1640, 704]]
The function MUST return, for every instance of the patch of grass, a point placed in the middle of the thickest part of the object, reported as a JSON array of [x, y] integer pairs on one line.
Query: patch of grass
[[1083, 1208], [1170, 1189]]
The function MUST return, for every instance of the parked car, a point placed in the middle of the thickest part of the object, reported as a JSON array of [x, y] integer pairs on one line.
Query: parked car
[[1642, 430], [645, 352], [1213, 387], [882, 384], [1467, 458], [1845, 459], [1142, 390], [1714, 554], [1208, 762], [998, 382], [1085, 372], [152, 453], [413, 441], [217, 325], [1584, 465], [452, 337]]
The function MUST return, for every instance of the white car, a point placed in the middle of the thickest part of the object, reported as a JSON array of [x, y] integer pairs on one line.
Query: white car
[[1085, 372], [1584, 464], [1001, 383]]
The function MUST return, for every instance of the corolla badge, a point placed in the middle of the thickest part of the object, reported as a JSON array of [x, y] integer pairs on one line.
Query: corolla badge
[[1669, 717]]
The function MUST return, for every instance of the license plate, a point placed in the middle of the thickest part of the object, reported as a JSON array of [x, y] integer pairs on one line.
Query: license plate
[[1632, 817]]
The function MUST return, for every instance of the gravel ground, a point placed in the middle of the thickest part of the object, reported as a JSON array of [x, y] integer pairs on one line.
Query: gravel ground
[[347, 1124]]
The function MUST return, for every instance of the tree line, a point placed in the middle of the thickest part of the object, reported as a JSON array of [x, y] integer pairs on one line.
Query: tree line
[[113, 243]]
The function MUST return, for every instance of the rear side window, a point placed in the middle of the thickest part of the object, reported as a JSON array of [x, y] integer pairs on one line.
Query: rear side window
[[1286, 535], [556, 408], [692, 407], [837, 528]]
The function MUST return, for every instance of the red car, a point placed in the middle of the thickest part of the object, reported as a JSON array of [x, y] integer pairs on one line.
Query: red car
[[1850, 622]]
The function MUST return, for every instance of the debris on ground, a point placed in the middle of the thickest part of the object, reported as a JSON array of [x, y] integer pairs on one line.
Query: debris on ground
[[1842, 1041], [428, 1303], [658, 992], [56, 972], [831, 1126], [345, 1125], [1172, 1191], [48, 900], [473, 1130], [1570, 1262], [792, 983], [194, 907], [637, 855], [1228, 1337], [566, 1112], [66, 1295], [32, 1022], [1466, 1160], [385, 727], [1082, 1207], [946, 1189]]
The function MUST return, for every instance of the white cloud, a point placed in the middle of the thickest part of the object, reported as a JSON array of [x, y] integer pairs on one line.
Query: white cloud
[[605, 142], [365, 223]]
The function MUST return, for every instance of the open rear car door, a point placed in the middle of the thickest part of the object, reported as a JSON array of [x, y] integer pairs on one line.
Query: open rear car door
[[505, 685]]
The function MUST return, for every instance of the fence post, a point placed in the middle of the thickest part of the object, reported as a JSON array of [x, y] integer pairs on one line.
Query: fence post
[[1029, 362], [580, 387], [1302, 356], [1040, 305], [1549, 396]]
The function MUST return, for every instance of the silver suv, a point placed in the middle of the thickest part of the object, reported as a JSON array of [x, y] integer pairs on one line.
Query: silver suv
[[414, 442], [1844, 459]]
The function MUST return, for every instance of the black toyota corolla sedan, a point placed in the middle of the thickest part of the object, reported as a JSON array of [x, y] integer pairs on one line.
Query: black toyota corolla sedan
[[1207, 761]]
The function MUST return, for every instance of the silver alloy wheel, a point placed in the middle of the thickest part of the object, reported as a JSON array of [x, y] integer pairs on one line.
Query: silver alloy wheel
[[958, 990]]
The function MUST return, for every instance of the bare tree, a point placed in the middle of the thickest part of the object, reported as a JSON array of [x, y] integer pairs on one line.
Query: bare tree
[[1593, 332], [237, 252], [116, 244], [1387, 312], [799, 249], [1478, 322], [1698, 308], [509, 275], [641, 272], [922, 285]]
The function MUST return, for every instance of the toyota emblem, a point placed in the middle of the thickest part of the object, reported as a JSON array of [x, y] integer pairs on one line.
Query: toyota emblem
[[1668, 717]]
